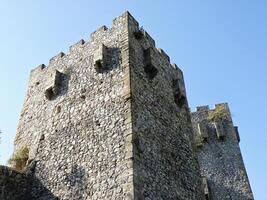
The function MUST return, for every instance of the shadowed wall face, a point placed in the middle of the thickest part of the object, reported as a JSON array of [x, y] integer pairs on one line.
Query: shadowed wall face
[[13, 184], [219, 155], [164, 166]]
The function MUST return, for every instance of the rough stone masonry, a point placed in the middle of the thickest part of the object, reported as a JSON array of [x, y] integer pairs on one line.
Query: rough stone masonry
[[110, 120]]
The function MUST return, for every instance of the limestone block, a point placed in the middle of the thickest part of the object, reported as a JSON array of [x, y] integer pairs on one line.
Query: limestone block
[[100, 57]]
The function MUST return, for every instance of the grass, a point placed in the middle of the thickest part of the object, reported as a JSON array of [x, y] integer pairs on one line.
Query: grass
[[19, 160]]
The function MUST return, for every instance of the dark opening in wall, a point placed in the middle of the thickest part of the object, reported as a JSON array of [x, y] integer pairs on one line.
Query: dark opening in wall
[[99, 67], [179, 100], [139, 34], [57, 84], [150, 69], [179, 97], [83, 97], [49, 93]]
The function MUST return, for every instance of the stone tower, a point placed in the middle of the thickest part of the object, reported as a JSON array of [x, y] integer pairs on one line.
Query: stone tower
[[110, 120], [219, 156]]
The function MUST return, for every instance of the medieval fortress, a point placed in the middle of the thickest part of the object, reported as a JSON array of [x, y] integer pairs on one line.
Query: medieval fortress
[[110, 120]]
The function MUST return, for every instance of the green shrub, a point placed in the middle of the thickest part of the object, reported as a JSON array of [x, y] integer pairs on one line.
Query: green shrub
[[220, 113], [19, 160]]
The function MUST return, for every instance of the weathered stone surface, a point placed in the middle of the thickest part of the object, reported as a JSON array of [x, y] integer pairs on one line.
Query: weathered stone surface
[[164, 166], [220, 159]]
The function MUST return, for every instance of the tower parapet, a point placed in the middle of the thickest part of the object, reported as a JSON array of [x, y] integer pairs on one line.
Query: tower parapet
[[216, 144]]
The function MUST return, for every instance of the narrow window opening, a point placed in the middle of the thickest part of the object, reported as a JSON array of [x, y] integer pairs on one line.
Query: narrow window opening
[[98, 66], [49, 93], [179, 98], [150, 68], [138, 34], [151, 71]]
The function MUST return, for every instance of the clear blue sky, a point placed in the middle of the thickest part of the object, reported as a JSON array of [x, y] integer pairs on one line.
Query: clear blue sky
[[220, 45]]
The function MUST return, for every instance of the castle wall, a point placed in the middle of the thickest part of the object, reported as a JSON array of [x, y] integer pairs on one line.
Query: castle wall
[[164, 166], [74, 120], [219, 155]]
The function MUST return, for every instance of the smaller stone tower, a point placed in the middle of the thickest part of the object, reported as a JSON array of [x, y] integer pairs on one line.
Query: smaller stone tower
[[217, 147]]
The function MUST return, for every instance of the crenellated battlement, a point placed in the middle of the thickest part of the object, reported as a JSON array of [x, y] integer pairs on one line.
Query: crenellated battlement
[[206, 108], [214, 124], [104, 32], [77, 45]]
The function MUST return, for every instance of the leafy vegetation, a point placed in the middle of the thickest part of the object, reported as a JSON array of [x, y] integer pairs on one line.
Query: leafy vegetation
[[19, 160], [220, 113]]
